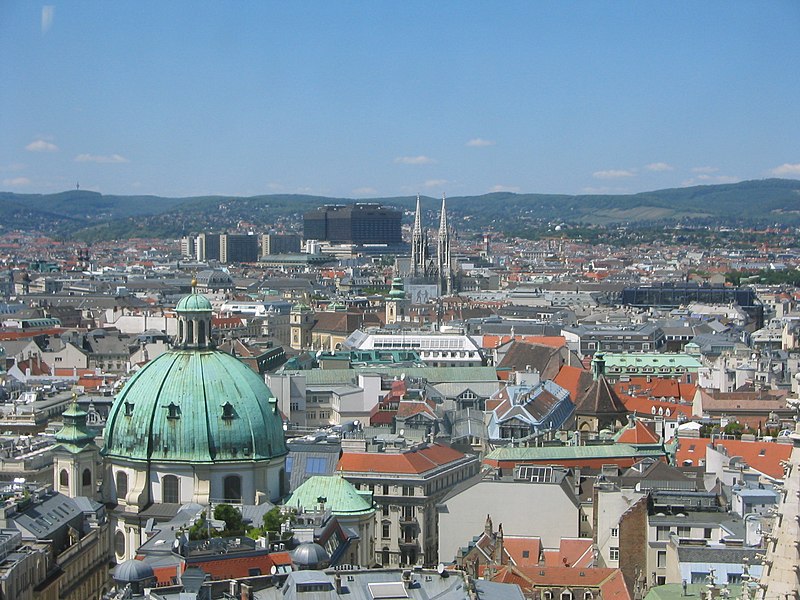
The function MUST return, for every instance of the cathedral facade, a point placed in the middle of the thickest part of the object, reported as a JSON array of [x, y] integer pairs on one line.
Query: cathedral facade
[[427, 270]]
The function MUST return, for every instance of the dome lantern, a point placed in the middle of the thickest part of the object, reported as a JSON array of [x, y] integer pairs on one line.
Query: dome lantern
[[194, 322]]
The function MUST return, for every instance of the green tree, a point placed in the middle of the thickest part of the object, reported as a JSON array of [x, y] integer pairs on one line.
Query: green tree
[[234, 525], [201, 530], [734, 429], [273, 519]]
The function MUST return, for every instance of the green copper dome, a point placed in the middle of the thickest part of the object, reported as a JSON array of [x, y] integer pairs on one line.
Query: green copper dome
[[341, 497], [193, 303], [199, 406]]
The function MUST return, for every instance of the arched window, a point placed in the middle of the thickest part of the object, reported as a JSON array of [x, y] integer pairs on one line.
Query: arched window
[[282, 483], [232, 488], [122, 484], [180, 331], [587, 595], [169, 490], [63, 478], [87, 477], [201, 333], [119, 544], [189, 332]]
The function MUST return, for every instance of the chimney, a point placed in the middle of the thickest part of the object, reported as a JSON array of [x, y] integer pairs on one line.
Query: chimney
[[407, 579], [500, 555], [337, 581], [487, 529]]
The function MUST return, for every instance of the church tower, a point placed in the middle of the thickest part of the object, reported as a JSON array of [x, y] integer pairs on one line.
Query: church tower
[[443, 256], [301, 320], [419, 245], [396, 302], [76, 458]]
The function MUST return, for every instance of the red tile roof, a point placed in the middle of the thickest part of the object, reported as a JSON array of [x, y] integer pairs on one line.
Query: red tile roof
[[638, 433], [574, 380], [516, 546], [411, 461], [554, 341], [764, 457]]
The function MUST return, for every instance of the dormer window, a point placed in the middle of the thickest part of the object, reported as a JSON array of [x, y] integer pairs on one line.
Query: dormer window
[[227, 411], [173, 411], [128, 408]]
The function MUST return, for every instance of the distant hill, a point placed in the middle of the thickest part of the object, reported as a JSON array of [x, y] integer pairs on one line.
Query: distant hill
[[91, 216]]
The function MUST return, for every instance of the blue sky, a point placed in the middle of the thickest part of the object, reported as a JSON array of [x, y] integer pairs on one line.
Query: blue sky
[[358, 99]]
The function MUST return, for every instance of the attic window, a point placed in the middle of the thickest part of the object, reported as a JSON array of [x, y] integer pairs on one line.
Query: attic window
[[173, 411], [128, 408], [762, 452], [526, 553], [227, 411]]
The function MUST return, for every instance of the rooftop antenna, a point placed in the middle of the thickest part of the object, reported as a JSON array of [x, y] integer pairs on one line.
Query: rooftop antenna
[[77, 185]]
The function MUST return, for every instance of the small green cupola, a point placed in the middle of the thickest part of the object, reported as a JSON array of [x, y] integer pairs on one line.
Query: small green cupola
[[74, 435], [598, 366], [397, 292]]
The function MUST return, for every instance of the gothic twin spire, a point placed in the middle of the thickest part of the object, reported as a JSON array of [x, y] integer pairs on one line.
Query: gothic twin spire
[[444, 229], [420, 265]]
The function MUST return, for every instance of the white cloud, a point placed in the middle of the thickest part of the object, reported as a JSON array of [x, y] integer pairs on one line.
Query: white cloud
[[107, 159], [431, 183], [705, 170], [48, 12], [504, 188], [414, 160], [17, 181], [659, 166], [41, 146], [705, 179], [479, 143], [613, 174], [604, 190], [787, 169], [363, 191]]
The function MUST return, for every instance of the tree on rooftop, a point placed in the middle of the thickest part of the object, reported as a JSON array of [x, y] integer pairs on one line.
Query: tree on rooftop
[[234, 525]]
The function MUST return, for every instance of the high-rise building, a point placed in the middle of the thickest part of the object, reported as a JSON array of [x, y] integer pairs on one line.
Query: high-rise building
[[207, 245], [189, 246], [353, 224], [238, 248], [274, 243]]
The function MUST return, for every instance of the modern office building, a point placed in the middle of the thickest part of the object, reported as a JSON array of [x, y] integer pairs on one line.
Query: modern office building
[[207, 246], [238, 248], [353, 224], [275, 243]]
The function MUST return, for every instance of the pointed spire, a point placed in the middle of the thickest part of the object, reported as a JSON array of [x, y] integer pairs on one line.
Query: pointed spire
[[418, 217], [443, 218]]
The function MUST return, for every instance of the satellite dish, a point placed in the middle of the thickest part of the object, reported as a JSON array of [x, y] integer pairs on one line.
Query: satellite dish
[[274, 569], [440, 568], [402, 376], [402, 432]]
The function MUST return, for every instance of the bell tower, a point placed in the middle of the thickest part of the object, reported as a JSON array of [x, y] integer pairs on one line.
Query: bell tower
[[301, 320], [76, 458], [396, 302]]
